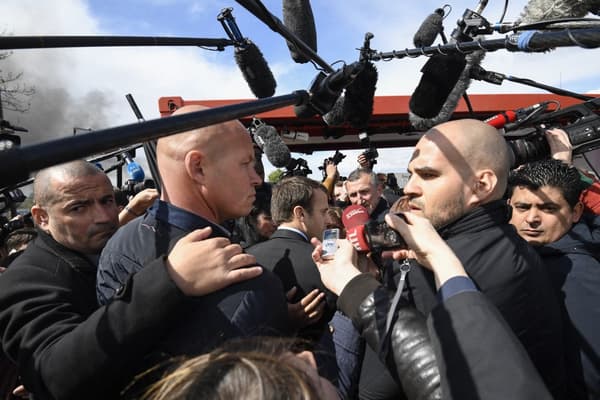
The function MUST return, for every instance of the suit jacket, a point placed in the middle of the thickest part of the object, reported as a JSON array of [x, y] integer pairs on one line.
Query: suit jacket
[[288, 255]]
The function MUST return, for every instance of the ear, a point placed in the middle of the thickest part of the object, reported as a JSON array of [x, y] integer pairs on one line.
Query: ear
[[298, 212], [577, 212], [40, 217], [194, 163], [484, 185]]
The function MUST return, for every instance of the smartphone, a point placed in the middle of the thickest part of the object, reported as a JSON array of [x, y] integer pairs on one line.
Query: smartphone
[[330, 238]]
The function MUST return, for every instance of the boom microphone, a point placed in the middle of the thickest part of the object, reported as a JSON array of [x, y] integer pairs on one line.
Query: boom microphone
[[446, 77], [248, 57], [429, 29], [326, 89], [542, 10], [298, 18], [356, 106], [269, 141], [255, 69]]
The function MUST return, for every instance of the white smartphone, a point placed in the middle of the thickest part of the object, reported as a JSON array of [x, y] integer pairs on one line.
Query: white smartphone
[[330, 238]]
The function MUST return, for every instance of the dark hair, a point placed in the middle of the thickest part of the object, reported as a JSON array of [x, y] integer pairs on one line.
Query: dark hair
[[249, 368], [548, 172], [291, 192], [245, 230]]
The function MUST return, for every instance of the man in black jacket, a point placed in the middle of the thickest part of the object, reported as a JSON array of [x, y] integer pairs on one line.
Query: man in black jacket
[[208, 178], [499, 370], [459, 171], [65, 347], [548, 214]]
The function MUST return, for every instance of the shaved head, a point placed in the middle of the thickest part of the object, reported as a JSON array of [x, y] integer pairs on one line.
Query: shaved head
[[472, 145], [456, 167], [207, 170], [44, 193]]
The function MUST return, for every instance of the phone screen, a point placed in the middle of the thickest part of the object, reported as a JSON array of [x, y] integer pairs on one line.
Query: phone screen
[[330, 237]]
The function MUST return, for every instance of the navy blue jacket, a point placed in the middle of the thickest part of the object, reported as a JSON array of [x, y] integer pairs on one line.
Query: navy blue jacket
[[574, 265], [253, 307]]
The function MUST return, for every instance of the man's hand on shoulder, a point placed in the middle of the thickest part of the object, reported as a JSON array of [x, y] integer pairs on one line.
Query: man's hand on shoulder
[[200, 265]]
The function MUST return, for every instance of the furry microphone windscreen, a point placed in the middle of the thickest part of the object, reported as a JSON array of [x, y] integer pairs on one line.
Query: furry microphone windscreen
[[542, 10], [358, 103], [298, 18], [255, 70], [448, 104]]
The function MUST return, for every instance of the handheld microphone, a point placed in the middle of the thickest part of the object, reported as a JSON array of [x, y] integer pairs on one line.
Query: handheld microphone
[[135, 171], [354, 219], [269, 141], [429, 29], [326, 89], [298, 18]]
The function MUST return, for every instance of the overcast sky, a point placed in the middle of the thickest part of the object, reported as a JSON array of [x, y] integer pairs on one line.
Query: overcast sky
[[87, 87]]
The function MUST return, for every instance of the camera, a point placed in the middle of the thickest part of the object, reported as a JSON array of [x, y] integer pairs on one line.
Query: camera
[[297, 167], [580, 122], [371, 153], [131, 187], [335, 160], [381, 237]]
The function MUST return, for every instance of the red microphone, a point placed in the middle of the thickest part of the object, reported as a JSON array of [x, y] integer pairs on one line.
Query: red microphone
[[498, 121], [354, 219]]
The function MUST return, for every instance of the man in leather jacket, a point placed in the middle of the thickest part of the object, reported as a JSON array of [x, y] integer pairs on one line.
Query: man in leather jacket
[[501, 370]]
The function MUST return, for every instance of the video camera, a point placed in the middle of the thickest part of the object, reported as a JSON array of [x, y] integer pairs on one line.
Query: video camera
[[371, 153], [131, 187], [9, 226], [581, 122], [297, 167], [335, 160]]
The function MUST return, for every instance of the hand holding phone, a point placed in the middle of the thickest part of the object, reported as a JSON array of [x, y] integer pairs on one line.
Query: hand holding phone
[[329, 244]]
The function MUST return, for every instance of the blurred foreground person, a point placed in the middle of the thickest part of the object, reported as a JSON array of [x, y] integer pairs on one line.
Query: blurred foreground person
[[249, 369]]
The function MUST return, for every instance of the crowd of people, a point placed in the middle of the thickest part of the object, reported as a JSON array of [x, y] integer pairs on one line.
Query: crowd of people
[[216, 287]]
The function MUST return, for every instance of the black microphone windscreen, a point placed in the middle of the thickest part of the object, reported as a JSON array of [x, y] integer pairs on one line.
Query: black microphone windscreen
[[255, 70], [460, 87], [272, 145], [298, 18], [440, 75], [428, 31], [358, 103], [305, 111], [336, 116]]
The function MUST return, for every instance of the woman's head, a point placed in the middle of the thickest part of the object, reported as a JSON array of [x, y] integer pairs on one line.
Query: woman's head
[[253, 369]]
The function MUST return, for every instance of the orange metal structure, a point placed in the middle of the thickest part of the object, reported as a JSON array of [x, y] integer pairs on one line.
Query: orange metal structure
[[389, 125]]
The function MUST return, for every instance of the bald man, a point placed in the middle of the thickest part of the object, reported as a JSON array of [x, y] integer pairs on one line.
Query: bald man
[[64, 345], [459, 171], [208, 177]]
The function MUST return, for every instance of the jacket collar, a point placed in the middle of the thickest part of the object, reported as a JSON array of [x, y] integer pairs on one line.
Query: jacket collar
[[480, 218], [77, 261]]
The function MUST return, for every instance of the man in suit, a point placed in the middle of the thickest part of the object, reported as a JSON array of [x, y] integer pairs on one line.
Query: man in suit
[[298, 206]]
